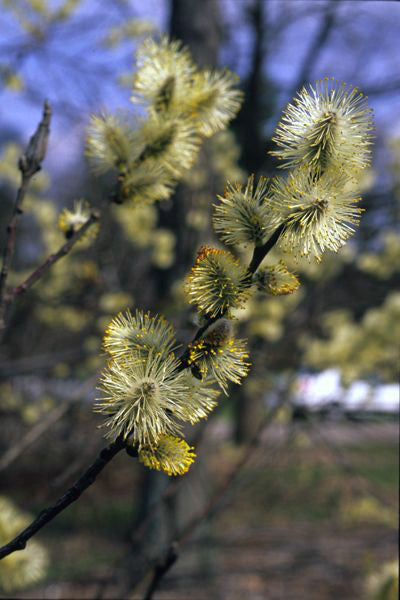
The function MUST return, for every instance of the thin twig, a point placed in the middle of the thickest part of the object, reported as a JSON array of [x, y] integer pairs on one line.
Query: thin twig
[[53, 258], [74, 492], [29, 163]]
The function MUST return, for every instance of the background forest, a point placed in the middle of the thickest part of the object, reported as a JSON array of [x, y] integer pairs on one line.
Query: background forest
[[294, 490]]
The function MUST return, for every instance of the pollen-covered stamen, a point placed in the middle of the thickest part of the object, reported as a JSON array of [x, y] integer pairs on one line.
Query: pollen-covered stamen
[[215, 283], [139, 334], [218, 355], [276, 280], [327, 126], [242, 217], [145, 392], [305, 215], [321, 138], [171, 455], [318, 214], [202, 398], [143, 397]]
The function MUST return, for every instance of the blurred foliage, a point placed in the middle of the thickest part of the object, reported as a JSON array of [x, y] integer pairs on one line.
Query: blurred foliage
[[383, 584], [24, 568]]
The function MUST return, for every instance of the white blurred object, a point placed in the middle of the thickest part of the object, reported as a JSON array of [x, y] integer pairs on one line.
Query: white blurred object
[[316, 392]]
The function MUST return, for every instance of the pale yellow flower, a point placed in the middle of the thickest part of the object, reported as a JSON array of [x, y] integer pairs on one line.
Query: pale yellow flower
[[143, 397], [326, 126], [215, 283], [319, 215], [276, 280], [243, 215]]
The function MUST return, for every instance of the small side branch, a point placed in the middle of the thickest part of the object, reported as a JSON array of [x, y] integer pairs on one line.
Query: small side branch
[[260, 252], [29, 164], [47, 515], [53, 258], [162, 568]]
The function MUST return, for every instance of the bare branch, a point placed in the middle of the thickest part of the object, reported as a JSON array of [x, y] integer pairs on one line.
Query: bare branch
[[48, 514], [29, 163], [53, 258]]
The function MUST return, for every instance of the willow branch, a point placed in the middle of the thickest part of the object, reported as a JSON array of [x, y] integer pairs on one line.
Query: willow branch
[[74, 492], [53, 258], [259, 253], [29, 164]]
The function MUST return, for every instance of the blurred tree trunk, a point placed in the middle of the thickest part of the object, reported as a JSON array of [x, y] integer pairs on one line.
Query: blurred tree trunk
[[196, 24], [259, 101], [257, 108]]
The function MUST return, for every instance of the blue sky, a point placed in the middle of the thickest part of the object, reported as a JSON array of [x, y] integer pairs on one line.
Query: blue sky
[[74, 69]]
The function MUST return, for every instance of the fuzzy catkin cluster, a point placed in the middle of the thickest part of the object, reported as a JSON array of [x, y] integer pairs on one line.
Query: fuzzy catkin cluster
[[147, 396], [324, 139], [183, 105], [148, 390]]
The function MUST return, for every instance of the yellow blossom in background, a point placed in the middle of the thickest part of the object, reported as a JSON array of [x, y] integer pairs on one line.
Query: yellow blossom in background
[[131, 29], [146, 183], [169, 82], [383, 584], [23, 568], [112, 302], [359, 348], [109, 143], [168, 142], [163, 246], [138, 222], [164, 75], [384, 263], [213, 100]]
